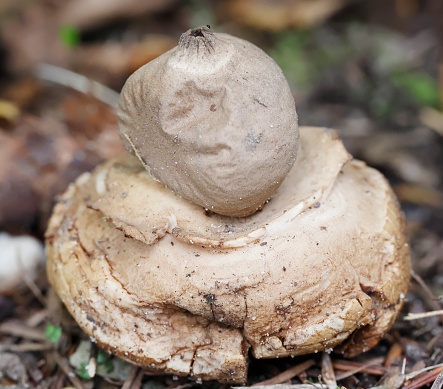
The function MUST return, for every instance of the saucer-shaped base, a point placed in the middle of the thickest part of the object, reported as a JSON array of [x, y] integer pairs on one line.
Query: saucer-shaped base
[[318, 269]]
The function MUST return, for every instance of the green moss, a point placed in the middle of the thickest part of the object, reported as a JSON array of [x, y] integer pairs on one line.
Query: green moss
[[420, 86], [69, 35]]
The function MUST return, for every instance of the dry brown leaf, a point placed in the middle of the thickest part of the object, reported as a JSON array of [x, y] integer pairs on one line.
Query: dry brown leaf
[[12, 368], [31, 33], [394, 354], [40, 156], [417, 194], [276, 16], [287, 374], [91, 13], [112, 62]]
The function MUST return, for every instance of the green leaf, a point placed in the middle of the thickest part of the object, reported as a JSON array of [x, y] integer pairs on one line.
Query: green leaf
[[69, 35], [104, 359], [102, 356], [82, 372], [292, 55], [109, 366], [53, 333], [420, 86]]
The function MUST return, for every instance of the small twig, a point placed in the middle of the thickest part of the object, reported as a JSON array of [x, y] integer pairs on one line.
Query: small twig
[[433, 256], [364, 368], [37, 318], [288, 374], [425, 379], [59, 384], [371, 367], [64, 365], [78, 82], [438, 383], [128, 382], [26, 347], [327, 371], [137, 383], [431, 344], [415, 316], [410, 376], [18, 330], [428, 291], [34, 289]]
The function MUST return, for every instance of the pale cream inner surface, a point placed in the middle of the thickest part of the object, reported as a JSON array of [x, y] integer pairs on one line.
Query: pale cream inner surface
[[142, 207]]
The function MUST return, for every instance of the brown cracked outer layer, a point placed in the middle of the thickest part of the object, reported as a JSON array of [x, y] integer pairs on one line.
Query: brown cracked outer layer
[[328, 270]]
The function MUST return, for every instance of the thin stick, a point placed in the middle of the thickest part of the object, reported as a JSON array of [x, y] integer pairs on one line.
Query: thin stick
[[67, 370], [438, 383], [34, 289], [426, 378], [327, 371], [78, 82], [288, 374], [37, 318], [371, 367], [410, 376], [363, 368], [25, 347], [18, 330], [428, 292], [415, 316], [59, 384], [137, 383], [130, 379]]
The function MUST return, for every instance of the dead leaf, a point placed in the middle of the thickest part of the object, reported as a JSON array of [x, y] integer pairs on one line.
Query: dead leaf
[[11, 367], [276, 16]]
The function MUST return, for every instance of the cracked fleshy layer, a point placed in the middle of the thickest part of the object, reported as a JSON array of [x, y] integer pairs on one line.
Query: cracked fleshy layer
[[155, 335], [325, 273]]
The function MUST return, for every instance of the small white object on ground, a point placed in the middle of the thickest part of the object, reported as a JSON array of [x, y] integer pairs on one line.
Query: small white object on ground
[[20, 257]]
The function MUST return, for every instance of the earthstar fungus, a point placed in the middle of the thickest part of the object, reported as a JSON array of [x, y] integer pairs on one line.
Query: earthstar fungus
[[214, 120], [157, 280]]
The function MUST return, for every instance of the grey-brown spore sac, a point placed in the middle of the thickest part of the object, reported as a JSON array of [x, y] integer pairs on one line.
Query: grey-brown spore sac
[[214, 120]]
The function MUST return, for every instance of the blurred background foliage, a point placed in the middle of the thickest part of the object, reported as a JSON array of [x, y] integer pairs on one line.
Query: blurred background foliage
[[373, 70]]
